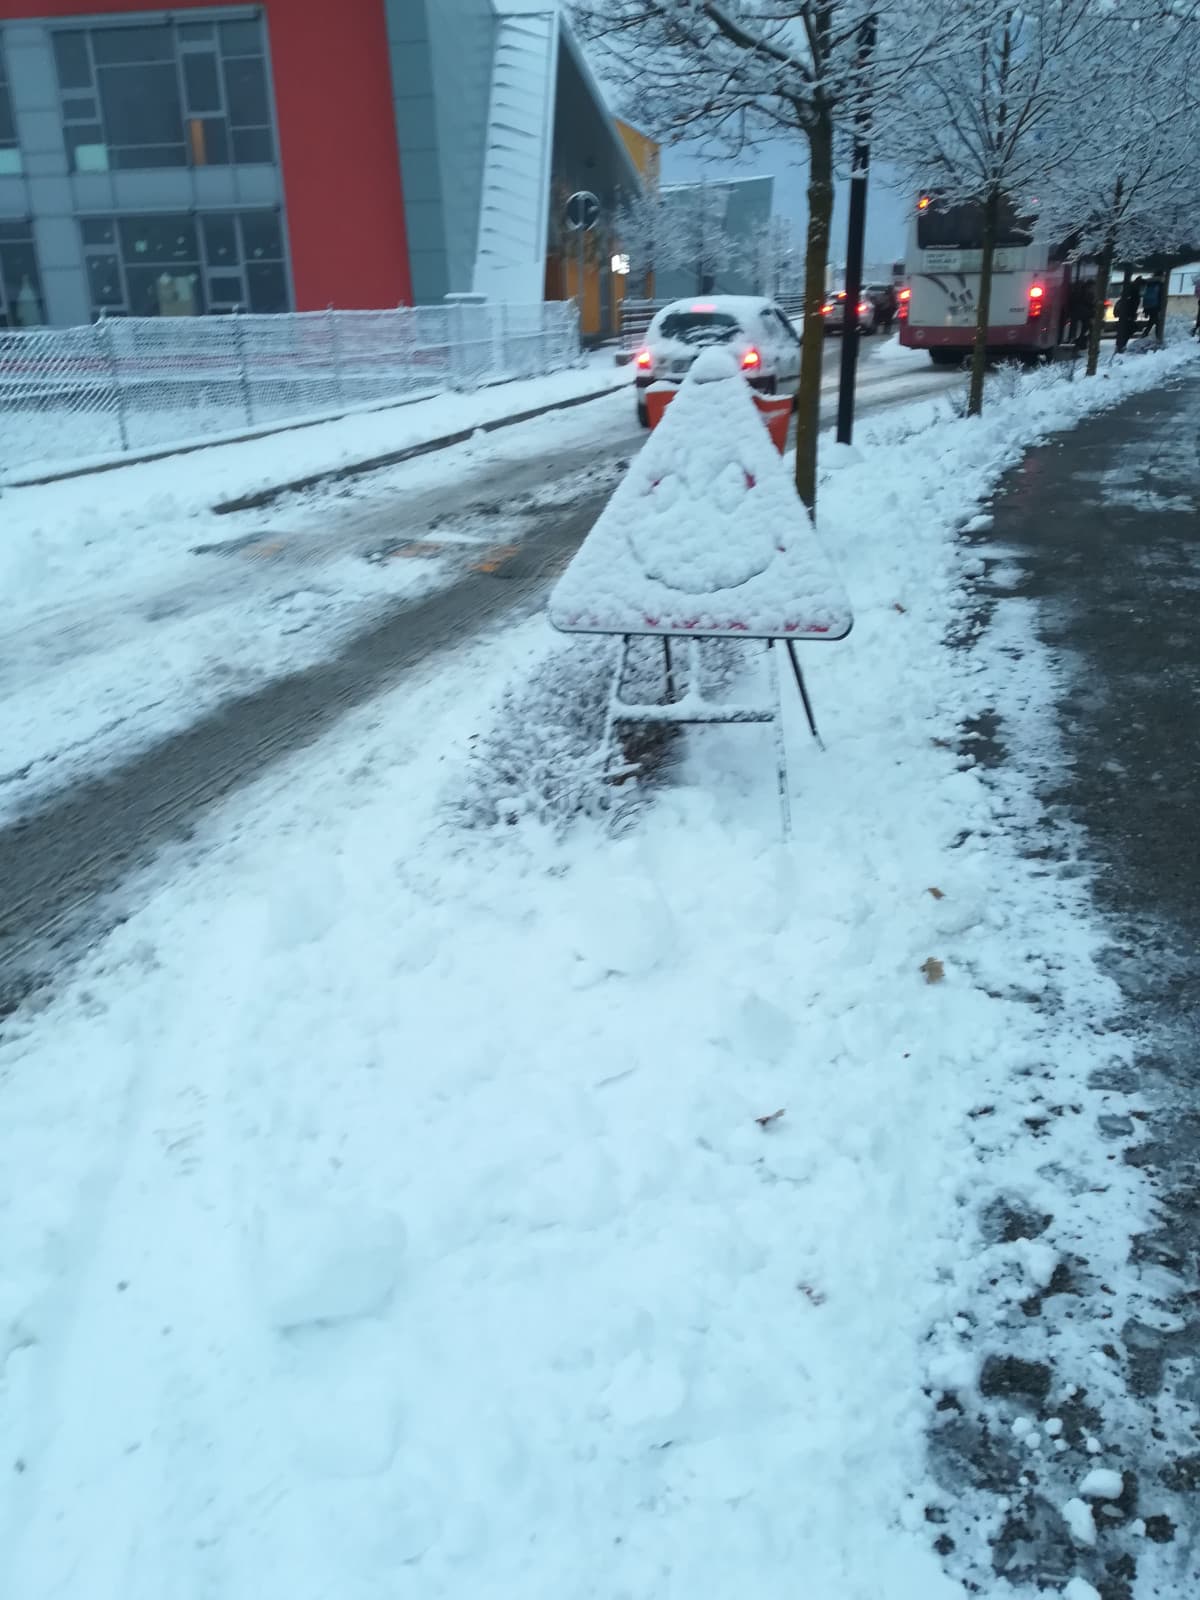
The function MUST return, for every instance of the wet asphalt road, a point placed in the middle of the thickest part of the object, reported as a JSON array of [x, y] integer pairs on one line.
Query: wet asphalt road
[[1105, 524], [64, 865]]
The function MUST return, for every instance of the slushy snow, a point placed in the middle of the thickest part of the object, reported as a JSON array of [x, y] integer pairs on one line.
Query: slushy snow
[[393, 1209]]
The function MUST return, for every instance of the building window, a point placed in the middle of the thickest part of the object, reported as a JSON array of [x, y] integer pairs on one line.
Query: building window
[[165, 94], [10, 150], [20, 285], [177, 265]]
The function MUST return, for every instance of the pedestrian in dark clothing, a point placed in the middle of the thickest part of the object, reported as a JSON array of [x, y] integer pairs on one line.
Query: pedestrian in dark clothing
[[1081, 306], [1196, 292], [887, 307], [1152, 306], [1127, 310]]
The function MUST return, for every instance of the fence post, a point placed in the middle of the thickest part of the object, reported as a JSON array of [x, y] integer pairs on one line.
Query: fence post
[[335, 341], [458, 323], [239, 342], [114, 375], [500, 352]]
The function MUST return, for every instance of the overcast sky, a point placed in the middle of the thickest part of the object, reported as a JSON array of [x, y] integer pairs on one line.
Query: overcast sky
[[886, 208]]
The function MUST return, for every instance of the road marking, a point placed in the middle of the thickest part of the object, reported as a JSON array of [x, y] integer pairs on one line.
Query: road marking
[[492, 560]]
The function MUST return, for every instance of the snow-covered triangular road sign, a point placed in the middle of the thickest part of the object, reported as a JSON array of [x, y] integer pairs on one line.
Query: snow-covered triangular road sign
[[705, 534]]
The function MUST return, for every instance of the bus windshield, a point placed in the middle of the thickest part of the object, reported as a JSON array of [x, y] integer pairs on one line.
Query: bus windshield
[[961, 227]]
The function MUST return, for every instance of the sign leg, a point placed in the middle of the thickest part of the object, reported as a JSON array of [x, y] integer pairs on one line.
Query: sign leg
[[803, 688], [781, 766]]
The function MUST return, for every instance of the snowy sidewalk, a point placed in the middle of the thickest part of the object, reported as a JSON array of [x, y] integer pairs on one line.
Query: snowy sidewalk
[[1099, 534], [404, 1204]]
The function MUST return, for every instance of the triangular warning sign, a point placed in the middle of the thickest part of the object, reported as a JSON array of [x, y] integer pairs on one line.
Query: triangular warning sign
[[705, 534]]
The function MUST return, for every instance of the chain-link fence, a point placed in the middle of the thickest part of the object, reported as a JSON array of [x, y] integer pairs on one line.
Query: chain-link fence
[[129, 384]]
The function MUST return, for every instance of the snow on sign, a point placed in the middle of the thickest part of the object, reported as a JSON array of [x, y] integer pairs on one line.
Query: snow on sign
[[705, 535]]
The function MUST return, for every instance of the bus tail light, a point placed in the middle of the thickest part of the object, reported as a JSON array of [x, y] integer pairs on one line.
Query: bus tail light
[[902, 307], [1037, 296]]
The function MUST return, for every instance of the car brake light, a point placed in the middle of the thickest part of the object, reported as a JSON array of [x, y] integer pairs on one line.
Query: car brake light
[[704, 305], [643, 359], [752, 358], [863, 310], [1108, 305], [826, 309], [906, 294]]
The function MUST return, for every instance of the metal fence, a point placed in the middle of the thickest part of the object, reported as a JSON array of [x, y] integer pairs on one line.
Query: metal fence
[[129, 384]]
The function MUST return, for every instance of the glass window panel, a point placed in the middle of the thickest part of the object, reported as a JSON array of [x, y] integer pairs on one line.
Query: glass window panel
[[191, 31], [80, 107], [88, 151], [220, 241], [241, 38], [227, 290], [141, 104], [143, 157], [8, 128], [10, 163], [22, 285], [98, 230], [261, 237], [201, 89], [252, 144], [246, 93], [104, 280], [208, 141], [157, 239], [267, 286], [152, 43], [74, 65], [162, 292]]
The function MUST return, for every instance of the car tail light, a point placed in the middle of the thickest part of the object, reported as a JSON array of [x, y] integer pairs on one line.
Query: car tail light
[[826, 309], [1036, 295], [905, 296], [1108, 304], [864, 310], [644, 360], [751, 359]]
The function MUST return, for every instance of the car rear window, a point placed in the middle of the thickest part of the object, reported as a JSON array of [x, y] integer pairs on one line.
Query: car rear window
[[699, 327]]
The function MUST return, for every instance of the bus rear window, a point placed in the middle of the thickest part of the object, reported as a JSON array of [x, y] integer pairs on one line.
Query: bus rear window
[[961, 227]]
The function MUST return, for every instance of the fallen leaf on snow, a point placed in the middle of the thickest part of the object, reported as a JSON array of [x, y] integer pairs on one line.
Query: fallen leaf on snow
[[937, 894], [896, 606], [942, 744], [772, 1116], [814, 1296], [933, 969]]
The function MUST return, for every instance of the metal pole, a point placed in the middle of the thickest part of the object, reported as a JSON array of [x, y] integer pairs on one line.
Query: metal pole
[[239, 340], [339, 387], [859, 173], [114, 373]]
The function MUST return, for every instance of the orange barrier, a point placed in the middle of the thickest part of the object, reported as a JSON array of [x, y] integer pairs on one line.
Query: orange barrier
[[774, 409], [658, 398], [776, 412]]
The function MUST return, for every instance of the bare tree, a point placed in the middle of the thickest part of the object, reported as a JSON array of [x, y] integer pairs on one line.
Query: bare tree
[[991, 124], [1133, 189], [776, 266], [735, 71]]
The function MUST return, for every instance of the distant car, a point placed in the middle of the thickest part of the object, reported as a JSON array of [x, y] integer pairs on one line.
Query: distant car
[[834, 312], [755, 331]]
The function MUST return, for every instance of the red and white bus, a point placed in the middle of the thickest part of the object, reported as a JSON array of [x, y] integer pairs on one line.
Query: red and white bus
[[1030, 284]]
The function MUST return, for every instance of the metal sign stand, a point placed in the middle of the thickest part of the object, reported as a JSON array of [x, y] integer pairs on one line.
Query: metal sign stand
[[690, 706]]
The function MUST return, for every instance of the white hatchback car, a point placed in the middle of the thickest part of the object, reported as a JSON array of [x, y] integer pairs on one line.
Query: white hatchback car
[[756, 331]]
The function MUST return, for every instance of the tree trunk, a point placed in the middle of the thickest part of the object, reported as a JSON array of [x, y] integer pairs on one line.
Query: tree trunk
[[816, 258], [1103, 274], [991, 218]]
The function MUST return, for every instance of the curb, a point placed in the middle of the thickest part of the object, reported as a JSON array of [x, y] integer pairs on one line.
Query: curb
[[352, 469]]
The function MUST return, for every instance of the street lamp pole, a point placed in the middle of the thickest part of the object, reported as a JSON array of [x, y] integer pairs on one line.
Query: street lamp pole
[[855, 234]]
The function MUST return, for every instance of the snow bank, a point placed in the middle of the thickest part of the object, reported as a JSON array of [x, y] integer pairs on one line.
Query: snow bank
[[705, 533], [629, 1184]]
